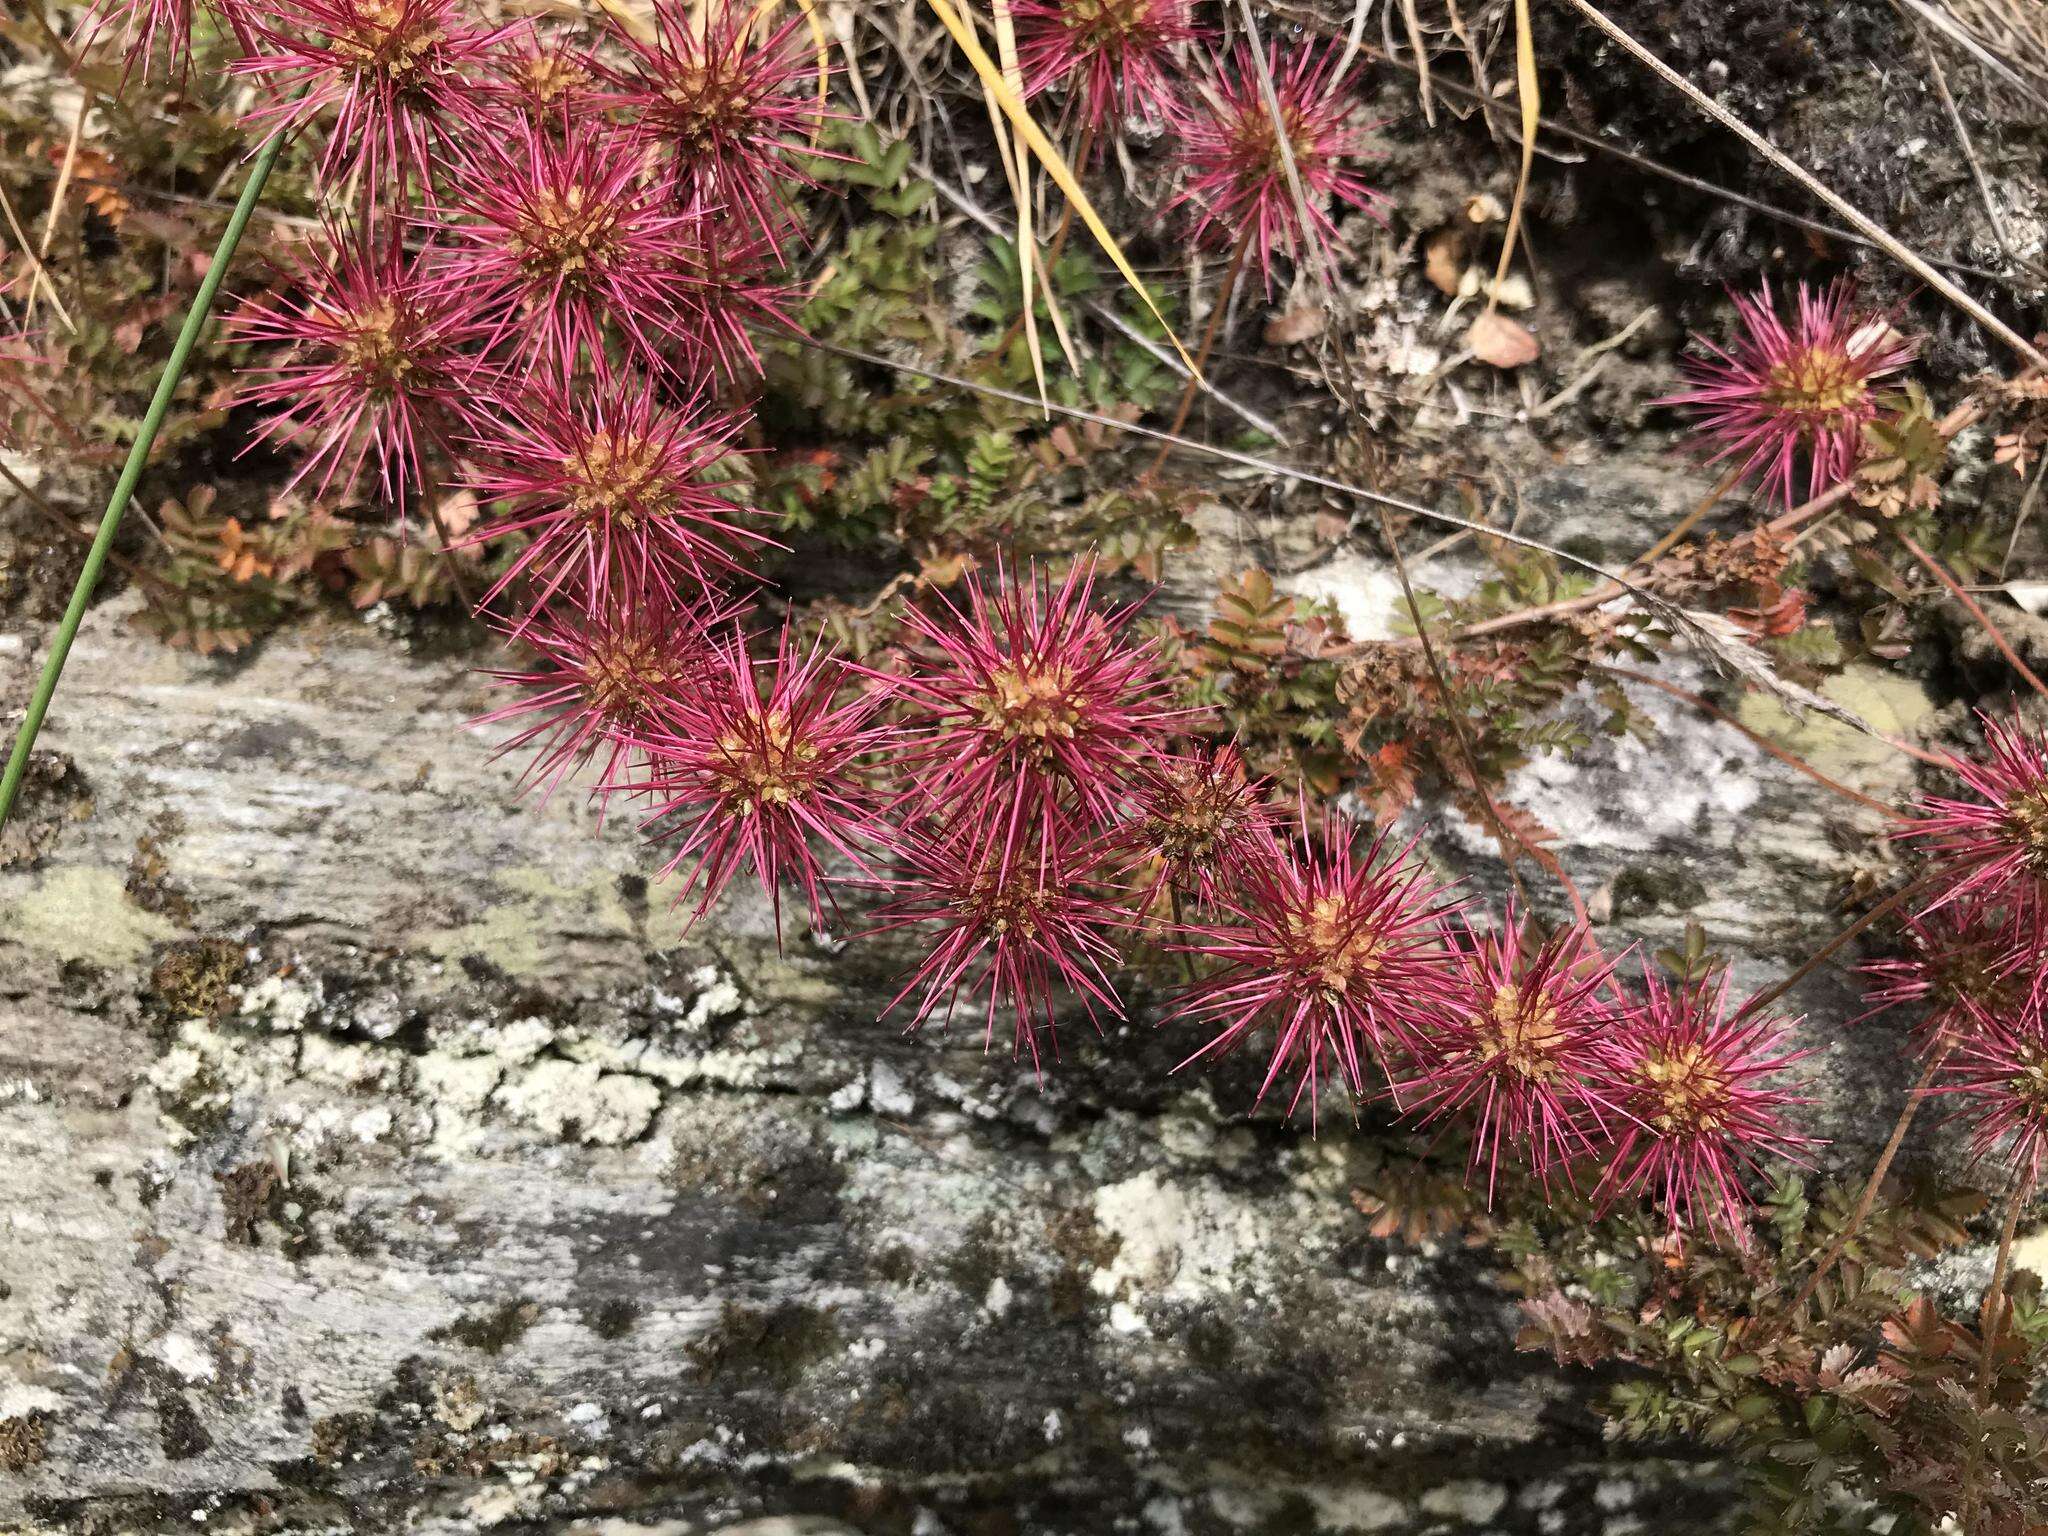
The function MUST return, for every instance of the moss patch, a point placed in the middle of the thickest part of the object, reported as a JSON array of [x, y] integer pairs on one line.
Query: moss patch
[[22, 1442], [492, 1331], [194, 981], [1893, 704], [81, 913], [774, 1344]]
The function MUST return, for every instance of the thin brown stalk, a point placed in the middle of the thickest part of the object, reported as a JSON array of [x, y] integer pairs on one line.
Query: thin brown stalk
[[34, 261], [55, 211], [1955, 118], [1995, 1307], [1187, 961], [1209, 334], [1827, 951], [1508, 841], [1890, 243], [1283, 140], [1691, 520], [56, 518], [1790, 759], [1484, 100], [1084, 144], [1955, 421], [1164, 356], [1956, 590], [1871, 1186], [1251, 461]]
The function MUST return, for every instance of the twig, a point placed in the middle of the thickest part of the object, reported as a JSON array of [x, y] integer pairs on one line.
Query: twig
[[1353, 39], [34, 261], [1936, 17], [1954, 588], [1955, 117], [1826, 952], [2019, 522], [1451, 706], [1110, 317], [1421, 61], [1955, 421], [1876, 232], [1995, 1306], [1789, 759], [1217, 310], [56, 517], [1642, 595], [131, 473], [1601, 353], [1283, 140], [1868, 1199], [55, 211]]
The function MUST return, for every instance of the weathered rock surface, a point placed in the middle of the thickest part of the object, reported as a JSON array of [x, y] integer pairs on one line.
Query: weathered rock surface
[[379, 1157]]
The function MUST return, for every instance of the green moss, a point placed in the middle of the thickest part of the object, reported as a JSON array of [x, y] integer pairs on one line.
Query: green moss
[[774, 1344], [339, 1438], [23, 1440], [195, 980], [1639, 890], [494, 1330], [612, 1318]]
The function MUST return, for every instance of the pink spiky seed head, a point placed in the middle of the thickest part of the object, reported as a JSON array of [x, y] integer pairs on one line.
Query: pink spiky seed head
[[723, 288], [1031, 693], [1338, 953], [735, 100], [1202, 818], [1963, 961], [1521, 1050], [1237, 184], [564, 239], [598, 681], [398, 76], [1113, 58], [1698, 1087], [547, 75], [1995, 845], [1997, 1075], [152, 29], [613, 490], [1782, 391], [770, 769], [372, 361], [1017, 919]]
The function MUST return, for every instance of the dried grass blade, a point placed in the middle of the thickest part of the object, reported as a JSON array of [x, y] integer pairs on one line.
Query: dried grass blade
[[1055, 163]]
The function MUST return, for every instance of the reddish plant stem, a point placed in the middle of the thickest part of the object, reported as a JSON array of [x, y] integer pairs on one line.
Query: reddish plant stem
[[1868, 1199], [1209, 334], [71, 530], [1956, 590], [1789, 759], [1994, 1309], [1877, 913], [1187, 961], [1502, 831], [1687, 523], [1962, 416]]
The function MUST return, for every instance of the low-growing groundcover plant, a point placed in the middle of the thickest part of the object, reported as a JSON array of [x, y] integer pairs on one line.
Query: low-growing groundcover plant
[[555, 299]]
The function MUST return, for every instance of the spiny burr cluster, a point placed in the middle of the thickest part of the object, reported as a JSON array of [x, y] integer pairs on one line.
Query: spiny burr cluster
[[546, 258], [1976, 957], [1790, 392]]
